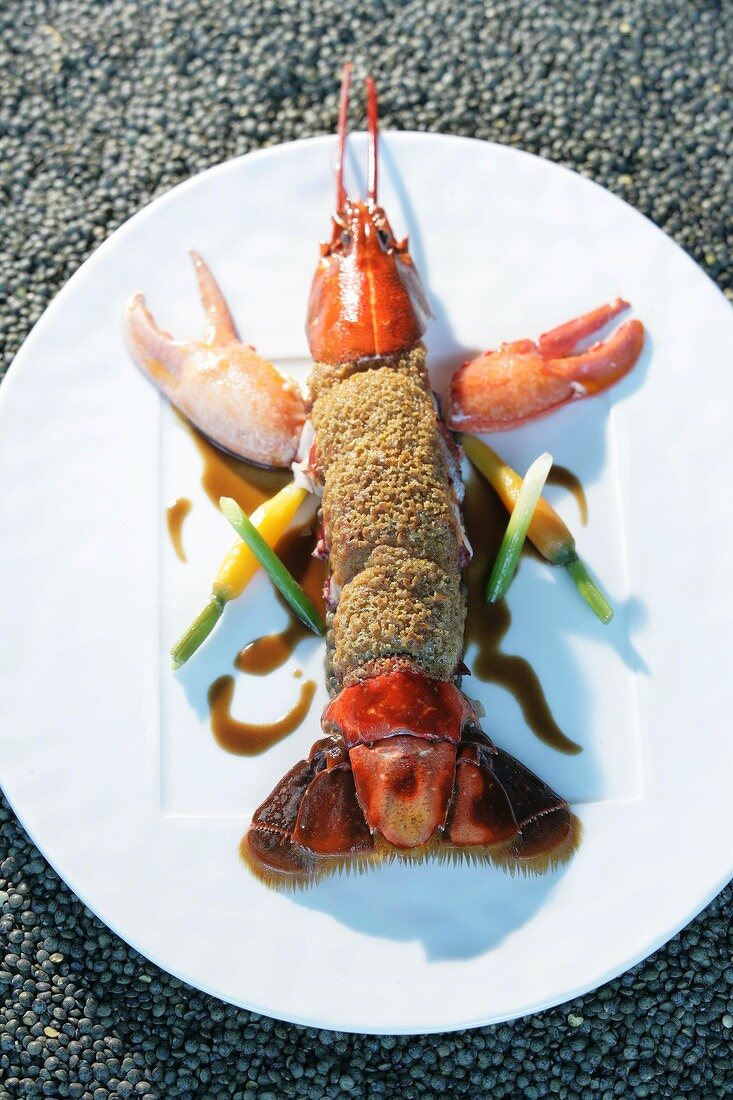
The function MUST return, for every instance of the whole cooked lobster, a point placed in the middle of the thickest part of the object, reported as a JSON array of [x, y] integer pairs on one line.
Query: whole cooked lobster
[[403, 769]]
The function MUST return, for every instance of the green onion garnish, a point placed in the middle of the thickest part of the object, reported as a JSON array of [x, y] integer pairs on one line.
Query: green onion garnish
[[280, 576], [589, 590], [511, 545], [199, 630]]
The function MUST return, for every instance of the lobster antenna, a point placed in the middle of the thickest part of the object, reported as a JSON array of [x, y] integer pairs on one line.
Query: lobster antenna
[[343, 124], [373, 123]]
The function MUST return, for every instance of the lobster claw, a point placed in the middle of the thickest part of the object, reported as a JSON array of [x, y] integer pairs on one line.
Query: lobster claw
[[406, 781], [239, 400], [525, 380]]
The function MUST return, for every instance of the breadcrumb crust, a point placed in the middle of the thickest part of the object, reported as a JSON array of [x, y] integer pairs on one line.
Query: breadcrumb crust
[[389, 520]]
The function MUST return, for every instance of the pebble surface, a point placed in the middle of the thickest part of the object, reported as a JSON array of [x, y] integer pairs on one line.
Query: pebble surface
[[105, 106]]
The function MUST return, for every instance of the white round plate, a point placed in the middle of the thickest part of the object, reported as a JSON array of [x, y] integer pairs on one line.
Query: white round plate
[[106, 755]]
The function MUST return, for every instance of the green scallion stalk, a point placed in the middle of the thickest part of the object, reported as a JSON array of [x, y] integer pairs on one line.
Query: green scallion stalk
[[547, 531], [530, 492], [198, 631], [280, 576], [589, 590]]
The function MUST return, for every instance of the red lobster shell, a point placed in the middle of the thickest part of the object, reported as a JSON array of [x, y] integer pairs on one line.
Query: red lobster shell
[[403, 770]]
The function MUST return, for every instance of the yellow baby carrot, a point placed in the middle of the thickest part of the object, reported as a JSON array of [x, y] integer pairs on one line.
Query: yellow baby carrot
[[530, 490], [295, 597], [272, 520]]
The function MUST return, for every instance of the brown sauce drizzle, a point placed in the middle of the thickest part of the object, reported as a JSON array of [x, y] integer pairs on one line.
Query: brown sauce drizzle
[[175, 514], [265, 654], [252, 738], [486, 625], [560, 475], [310, 573], [226, 476]]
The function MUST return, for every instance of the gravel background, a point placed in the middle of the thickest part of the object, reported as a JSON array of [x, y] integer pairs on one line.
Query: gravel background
[[102, 107]]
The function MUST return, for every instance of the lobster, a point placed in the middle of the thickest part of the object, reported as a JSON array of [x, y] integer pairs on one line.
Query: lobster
[[404, 769]]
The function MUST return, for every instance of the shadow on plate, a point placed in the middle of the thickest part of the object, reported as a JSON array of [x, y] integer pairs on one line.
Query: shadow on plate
[[455, 912], [449, 353]]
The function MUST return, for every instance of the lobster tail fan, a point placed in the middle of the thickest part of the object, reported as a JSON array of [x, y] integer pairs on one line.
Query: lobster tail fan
[[405, 773], [549, 833], [311, 825], [503, 813]]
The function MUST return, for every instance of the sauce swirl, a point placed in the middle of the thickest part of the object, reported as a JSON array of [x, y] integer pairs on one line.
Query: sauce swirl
[[264, 655], [223, 475], [175, 514], [486, 623], [252, 738], [560, 475]]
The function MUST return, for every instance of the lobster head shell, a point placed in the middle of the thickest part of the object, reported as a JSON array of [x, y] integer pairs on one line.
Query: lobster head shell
[[366, 300]]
